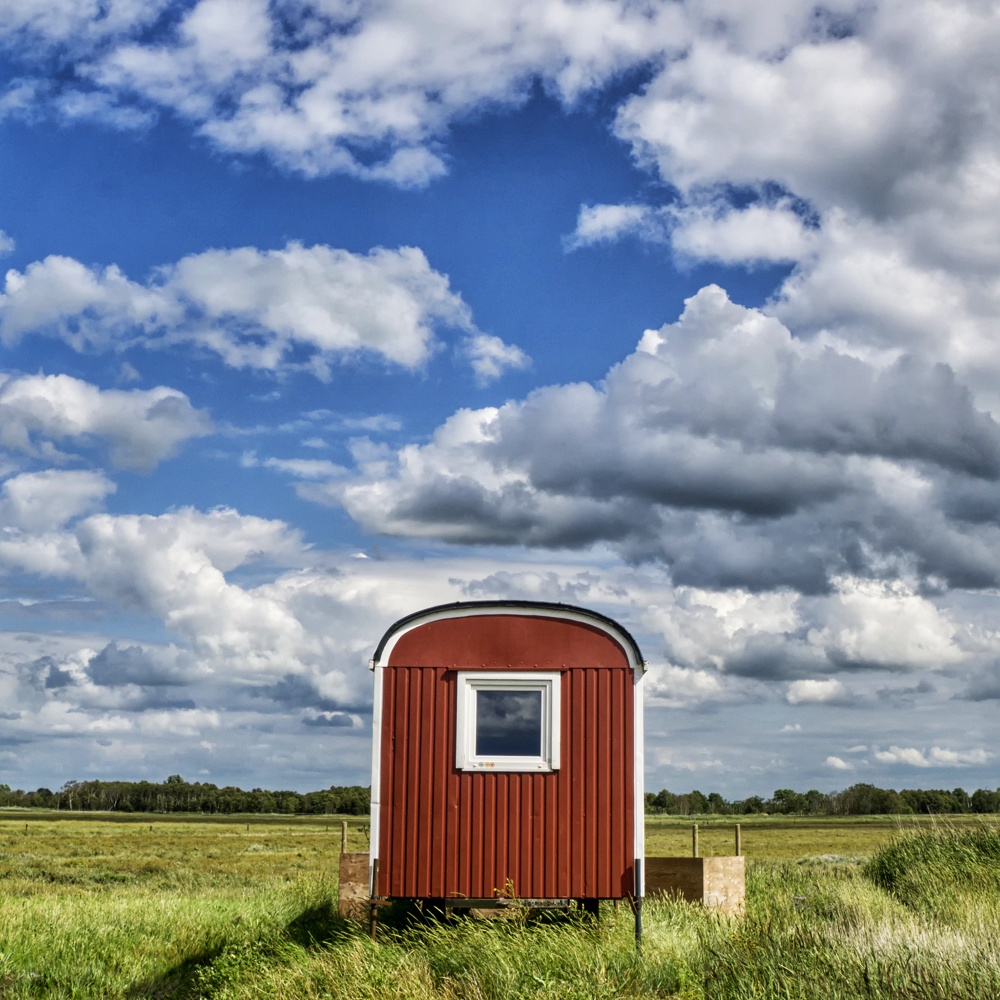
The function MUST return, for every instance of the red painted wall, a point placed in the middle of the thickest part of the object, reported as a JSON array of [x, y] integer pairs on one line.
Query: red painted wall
[[566, 834]]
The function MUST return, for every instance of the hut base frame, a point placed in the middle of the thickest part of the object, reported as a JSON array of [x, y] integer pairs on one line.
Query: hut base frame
[[448, 906], [356, 902], [495, 903]]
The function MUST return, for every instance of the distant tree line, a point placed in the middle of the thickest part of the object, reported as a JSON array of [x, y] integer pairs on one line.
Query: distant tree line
[[858, 800], [175, 795]]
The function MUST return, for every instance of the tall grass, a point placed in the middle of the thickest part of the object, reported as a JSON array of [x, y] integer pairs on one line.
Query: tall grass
[[917, 921], [931, 868], [829, 932]]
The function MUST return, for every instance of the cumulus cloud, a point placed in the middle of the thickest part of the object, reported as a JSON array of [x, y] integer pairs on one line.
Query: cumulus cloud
[[759, 232], [255, 308], [829, 691], [984, 685], [681, 687], [838, 764], [684, 761], [78, 22], [318, 89], [490, 357], [886, 626], [336, 720], [142, 426], [173, 567], [934, 757], [953, 758], [724, 447], [219, 583], [300, 468], [45, 501], [702, 229], [369, 90], [856, 143], [788, 637], [116, 665], [800, 491], [606, 223]]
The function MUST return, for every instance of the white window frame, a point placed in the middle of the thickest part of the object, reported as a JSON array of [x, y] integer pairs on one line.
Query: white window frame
[[471, 682]]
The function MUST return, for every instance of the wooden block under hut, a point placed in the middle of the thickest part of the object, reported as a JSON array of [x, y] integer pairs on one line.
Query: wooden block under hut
[[719, 883], [353, 890]]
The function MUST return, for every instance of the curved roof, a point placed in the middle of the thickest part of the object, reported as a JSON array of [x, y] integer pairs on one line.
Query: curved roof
[[546, 609]]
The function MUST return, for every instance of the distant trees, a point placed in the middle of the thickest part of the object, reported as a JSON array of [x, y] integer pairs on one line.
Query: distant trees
[[175, 795], [983, 801], [858, 800]]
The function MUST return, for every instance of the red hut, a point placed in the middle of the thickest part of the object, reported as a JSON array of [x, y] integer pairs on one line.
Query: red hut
[[507, 757]]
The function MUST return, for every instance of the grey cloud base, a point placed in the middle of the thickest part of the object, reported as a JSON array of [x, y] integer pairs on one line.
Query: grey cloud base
[[731, 451]]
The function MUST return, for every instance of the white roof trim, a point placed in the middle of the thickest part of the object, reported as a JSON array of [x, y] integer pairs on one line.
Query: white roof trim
[[618, 634]]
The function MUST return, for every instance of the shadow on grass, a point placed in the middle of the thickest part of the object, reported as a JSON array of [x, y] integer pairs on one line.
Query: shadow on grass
[[177, 983], [321, 925], [318, 926]]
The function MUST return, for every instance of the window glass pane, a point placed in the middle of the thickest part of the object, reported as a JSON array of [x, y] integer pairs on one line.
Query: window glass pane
[[508, 723]]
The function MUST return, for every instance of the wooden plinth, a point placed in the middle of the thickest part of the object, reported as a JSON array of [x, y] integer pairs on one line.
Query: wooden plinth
[[353, 890], [719, 883]]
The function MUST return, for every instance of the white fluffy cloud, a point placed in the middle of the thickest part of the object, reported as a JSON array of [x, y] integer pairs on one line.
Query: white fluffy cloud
[[801, 494], [702, 229], [490, 357], [759, 232], [45, 501], [142, 426], [369, 89], [256, 646], [934, 757], [887, 626], [219, 583], [838, 764], [681, 687], [254, 307], [175, 568], [724, 447], [74, 21], [856, 141], [829, 691], [261, 649], [606, 223]]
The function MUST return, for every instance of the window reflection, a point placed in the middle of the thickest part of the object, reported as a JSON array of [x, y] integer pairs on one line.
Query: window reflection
[[508, 723]]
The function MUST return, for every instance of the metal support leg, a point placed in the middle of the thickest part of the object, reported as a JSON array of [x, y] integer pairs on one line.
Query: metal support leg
[[373, 911], [637, 906]]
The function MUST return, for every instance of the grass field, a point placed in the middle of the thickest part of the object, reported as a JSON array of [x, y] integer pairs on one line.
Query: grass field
[[791, 838], [134, 907]]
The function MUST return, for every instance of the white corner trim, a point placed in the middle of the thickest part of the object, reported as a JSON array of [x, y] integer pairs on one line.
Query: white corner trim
[[376, 796], [639, 780]]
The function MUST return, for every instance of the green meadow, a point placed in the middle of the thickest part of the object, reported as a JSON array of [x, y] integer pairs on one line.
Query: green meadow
[[149, 906]]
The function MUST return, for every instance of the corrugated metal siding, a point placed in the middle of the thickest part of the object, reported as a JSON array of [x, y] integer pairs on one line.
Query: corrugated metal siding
[[567, 834]]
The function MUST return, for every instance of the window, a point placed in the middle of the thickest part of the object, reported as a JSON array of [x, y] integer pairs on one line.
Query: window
[[507, 721]]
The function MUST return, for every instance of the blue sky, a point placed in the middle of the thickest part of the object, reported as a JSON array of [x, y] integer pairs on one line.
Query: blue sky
[[319, 313]]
